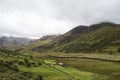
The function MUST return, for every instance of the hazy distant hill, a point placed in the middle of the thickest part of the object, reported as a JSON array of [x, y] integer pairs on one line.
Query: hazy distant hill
[[104, 36], [13, 41], [48, 37], [35, 43]]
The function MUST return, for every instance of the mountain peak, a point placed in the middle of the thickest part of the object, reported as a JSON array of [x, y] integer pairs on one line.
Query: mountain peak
[[79, 29], [102, 24]]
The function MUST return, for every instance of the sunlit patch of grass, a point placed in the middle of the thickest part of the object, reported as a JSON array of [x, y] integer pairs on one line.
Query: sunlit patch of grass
[[77, 74], [46, 71], [48, 61]]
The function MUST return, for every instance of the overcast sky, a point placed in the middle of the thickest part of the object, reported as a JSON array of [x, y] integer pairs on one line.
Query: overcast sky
[[34, 18]]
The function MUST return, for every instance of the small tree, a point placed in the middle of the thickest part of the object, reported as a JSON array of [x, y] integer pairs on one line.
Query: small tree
[[21, 63], [31, 57], [28, 64], [30, 54], [111, 52], [39, 77], [119, 49], [25, 60]]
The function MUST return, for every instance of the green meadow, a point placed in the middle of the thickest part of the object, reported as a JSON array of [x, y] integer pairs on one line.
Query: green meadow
[[48, 67]]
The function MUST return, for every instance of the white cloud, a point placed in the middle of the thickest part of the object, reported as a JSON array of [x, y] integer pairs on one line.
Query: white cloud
[[34, 18]]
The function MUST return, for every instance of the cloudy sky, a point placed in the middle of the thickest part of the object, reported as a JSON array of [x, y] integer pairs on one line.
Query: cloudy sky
[[34, 18]]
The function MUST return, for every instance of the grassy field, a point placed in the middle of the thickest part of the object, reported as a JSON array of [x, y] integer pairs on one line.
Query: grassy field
[[46, 66], [103, 64], [79, 75], [56, 72], [46, 71], [49, 69], [104, 56]]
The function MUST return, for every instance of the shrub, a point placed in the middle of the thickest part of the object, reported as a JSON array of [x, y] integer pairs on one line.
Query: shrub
[[39, 77], [27, 74], [25, 60], [6, 64], [119, 49], [3, 69], [10, 65], [15, 61], [1, 61], [39, 63], [10, 62], [31, 57], [110, 52], [34, 64], [28, 64], [21, 63], [15, 68]]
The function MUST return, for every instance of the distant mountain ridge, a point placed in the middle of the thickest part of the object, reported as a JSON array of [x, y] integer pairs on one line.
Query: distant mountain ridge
[[13, 41], [48, 37]]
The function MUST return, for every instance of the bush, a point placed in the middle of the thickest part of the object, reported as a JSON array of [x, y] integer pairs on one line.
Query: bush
[[6, 64], [28, 64], [39, 77], [3, 69], [10, 65], [15, 61], [34, 64], [15, 68], [10, 62], [31, 57], [25, 60], [1, 61], [110, 52], [21, 63], [28, 75], [118, 49], [39, 63]]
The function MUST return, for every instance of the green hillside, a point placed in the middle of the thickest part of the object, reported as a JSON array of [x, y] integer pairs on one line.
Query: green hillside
[[102, 37]]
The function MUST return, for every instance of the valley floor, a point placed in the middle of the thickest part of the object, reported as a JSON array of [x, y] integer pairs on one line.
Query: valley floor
[[106, 65], [60, 67]]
